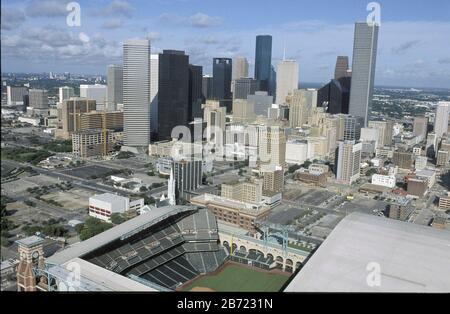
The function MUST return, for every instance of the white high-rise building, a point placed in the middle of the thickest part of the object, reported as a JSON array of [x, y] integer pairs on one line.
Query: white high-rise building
[[15, 95], [441, 118], [287, 79], [65, 92], [96, 92], [239, 68], [154, 81], [171, 194], [136, 92], [348, 165]]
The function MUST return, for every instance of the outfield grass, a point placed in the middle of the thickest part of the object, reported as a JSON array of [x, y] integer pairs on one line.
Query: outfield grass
[[239, 278]]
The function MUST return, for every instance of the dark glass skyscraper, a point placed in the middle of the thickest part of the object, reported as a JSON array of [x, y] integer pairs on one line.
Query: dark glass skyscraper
[[335, 95], [263, 61], [173, 92], [222, 69], [244, 87], [195, 91], [207, 87]]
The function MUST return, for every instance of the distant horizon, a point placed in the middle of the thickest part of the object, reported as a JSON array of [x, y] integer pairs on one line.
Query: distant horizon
[[413, 48], [300, 83]]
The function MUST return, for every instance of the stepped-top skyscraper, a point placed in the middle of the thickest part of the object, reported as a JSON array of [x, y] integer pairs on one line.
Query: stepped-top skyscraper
[[263, 61], [136, 92], [341, 69], [363, 69], [240, 68]]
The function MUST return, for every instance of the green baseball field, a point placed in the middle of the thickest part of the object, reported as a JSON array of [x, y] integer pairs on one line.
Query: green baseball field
[[234, 277]]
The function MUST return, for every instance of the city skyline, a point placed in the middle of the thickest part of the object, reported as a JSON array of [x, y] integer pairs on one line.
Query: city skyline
[[195, 159], [412, 47]]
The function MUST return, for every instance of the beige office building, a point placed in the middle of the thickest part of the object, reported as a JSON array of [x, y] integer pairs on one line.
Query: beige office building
[[272, 145], [92, 143], [348, 165], [273, 178], [243, 191], [301, 106], [94, 120], [385, 132], [214, 116], [287, 80], [239, 68], [69, 112], [243, 111]]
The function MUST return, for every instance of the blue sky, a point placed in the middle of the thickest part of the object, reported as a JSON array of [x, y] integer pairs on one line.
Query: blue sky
[[413, 48]]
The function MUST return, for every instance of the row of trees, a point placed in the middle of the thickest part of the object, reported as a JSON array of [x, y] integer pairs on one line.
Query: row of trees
[[59, 146], [22, 154]]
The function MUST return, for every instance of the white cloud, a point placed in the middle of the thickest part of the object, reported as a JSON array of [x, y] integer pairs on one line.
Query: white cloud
[[47, 8], [202, 20], [198, 20], [12, 18], [117, 8], [112, 24]]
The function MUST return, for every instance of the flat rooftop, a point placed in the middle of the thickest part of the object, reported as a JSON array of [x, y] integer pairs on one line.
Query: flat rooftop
[[31, 241], [94, 278], [412, 258], [108, 197]]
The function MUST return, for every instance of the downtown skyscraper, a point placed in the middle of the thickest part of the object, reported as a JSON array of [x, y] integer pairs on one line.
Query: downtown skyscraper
[[363, 69], [173, 92], [222, 69], [263, 61], [441, 118], [240, 68], [287, 79], [341, 69], [195, 91], [115, 86], [154, 78], [136, 92]]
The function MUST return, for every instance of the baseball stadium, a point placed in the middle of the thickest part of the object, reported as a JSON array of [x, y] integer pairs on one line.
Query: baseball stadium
[[172, 248]]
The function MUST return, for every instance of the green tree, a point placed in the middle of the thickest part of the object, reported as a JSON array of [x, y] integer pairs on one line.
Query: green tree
[[117, 218], [143, 189], [93, 226]]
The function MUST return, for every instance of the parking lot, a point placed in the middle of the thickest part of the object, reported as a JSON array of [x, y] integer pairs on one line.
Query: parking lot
[[88, 172], [308, 195]]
